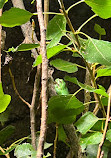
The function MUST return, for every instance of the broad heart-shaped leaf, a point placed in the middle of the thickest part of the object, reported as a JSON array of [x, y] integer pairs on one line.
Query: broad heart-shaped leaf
[[86, 122], [50, 53], [15, 17], [26, 47], [97, 51], [104, 72], [4, 100], [64, 65], [6, 133], [91, 138], [2, 2], [101, 8], [99, 29], [63, 109], [86, 87], [55, 30]]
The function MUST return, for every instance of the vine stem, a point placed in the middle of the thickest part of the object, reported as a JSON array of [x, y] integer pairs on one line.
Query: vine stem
[[44, 80], [74, 5], [6, 155], [55, 141], [46, 9], [105, 128], [0, 46]]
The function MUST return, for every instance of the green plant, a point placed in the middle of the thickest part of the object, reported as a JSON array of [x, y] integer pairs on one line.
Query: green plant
[[63, 109]]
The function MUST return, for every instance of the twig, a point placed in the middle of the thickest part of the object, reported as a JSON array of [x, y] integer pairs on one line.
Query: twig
[[55, 141], [44, 80], [105, 128], [15, 89], [6, 155], [0, 45], [32, 108], [46, 9]]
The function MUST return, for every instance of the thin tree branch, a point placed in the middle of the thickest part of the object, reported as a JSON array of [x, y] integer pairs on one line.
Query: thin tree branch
[[46, 9], [35, 99], [15, 89], [55, 142], [6, 155], [105, 128], [44, 80]]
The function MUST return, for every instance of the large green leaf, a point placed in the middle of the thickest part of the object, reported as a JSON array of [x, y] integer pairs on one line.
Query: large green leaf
[[86, 122], [4, 100], [101, 7], [63, 108], [55, 30], [64, 65], [104, 72], [26, 47], [2, 2], [86, 87], [15, 17], [97, 51], [91, 138], [6, 133]]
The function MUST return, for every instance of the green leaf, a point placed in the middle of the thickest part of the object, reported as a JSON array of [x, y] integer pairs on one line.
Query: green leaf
[[15, 17], [23, 150], [63, 108], [61, 134], [91, 138], [2, 2], [64, 65], [97, 51], [47, 145], [86, 122], [4, 116], [92, 151], [99, 29], [55, 30], [26, 47], [4, 100], [104, 101], [104, 72], [55, 50], [86, 87], [6, 133], [98, 126], [108, 135], [101, 8], [50, 53]]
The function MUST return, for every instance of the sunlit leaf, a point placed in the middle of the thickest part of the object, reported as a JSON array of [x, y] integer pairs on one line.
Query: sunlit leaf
[[86, 122], [2, 2], [26, 47], [15, 17], [104, 72], [64, 65]]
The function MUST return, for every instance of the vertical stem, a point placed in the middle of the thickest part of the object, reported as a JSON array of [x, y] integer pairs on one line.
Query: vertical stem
[[46, 9], [55, 141], [106, 126], [32, 107], [0, 46], [44, 79]]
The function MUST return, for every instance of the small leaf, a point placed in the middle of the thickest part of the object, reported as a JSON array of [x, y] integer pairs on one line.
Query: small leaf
[[37, 61], [26, 47], [47, 145], [99, 29], [55, 30], [104, 101], [108, 135], [23, 150], [4, 100], [61, 134], [86, 122], [15, 17], [104, 72], [64, 65], [63, 109], [86, 87], [97, 51], [55, 50], [101, 8]]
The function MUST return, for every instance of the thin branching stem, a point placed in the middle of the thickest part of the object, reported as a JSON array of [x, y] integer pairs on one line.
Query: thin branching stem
[[55, 141], [44, 79], [74, 5]]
